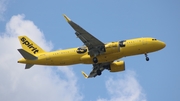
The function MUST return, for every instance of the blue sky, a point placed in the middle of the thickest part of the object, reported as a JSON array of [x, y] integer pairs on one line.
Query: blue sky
[[42, 21]]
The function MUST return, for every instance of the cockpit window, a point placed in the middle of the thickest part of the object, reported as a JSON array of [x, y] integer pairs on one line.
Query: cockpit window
[[154, 39]]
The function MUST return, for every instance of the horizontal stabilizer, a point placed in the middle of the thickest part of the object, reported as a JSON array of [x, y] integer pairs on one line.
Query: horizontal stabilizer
[[27, 55], [28, 66], [84, 74]]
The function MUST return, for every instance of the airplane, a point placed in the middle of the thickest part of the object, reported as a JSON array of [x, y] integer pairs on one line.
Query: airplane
[[102, 56]]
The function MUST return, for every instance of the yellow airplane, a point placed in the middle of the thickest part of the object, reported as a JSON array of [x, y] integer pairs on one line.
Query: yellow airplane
[[102, 56]]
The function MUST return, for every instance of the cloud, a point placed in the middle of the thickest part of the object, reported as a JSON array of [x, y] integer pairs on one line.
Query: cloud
[[124, 88], [38, 83], [3, 4]]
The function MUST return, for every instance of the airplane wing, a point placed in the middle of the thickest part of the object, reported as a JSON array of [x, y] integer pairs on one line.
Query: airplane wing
[[95, 46], [96, 68]]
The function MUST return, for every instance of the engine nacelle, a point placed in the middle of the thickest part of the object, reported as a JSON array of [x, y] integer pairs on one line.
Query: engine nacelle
[[112, 47], [117, 66]]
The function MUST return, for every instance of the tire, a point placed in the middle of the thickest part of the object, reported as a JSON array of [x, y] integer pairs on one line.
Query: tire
[[95, 60], [147, 59], [99, 72]]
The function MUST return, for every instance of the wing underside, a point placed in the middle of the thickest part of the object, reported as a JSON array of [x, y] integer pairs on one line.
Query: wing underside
[[95, 46], [97, 69]]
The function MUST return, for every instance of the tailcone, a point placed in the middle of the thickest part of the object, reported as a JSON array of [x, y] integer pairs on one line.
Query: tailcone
[[21, 61]]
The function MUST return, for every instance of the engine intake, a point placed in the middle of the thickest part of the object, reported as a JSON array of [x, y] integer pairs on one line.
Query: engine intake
[[117, 66]]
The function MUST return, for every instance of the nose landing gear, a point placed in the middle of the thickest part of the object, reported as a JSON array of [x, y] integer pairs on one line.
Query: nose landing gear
[[147, 58]]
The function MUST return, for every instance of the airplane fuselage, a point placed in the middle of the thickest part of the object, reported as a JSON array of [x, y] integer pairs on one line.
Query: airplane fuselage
[[101, 56], [114, 51]]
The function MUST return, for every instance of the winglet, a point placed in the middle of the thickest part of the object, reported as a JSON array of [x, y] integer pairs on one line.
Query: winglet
[[67, 19], [84, 74]]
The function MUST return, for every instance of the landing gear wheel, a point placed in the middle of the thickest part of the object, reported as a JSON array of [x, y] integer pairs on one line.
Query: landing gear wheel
[[147, 58], [95, 60], [99, 72]]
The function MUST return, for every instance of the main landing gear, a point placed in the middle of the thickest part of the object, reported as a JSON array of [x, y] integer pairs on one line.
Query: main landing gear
[[99, 72], [95, 60], [147, 58]]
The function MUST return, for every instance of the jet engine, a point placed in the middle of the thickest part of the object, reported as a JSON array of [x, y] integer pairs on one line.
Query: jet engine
[[117, 66], [112, 47]]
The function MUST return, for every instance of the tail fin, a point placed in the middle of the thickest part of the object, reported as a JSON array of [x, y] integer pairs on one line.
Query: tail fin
[[29, 46]]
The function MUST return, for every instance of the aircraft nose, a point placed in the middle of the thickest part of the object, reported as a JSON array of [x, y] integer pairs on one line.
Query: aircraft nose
[[162, 44]]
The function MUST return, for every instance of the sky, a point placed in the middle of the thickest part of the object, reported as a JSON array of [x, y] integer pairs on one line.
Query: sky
[[108, 20]]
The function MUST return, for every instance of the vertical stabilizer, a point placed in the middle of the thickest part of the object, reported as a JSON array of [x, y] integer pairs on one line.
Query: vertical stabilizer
[[29, 46]]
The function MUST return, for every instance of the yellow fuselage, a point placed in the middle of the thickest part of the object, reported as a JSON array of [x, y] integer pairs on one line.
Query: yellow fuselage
[[113, 52]]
